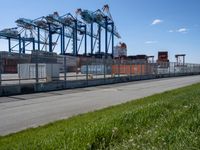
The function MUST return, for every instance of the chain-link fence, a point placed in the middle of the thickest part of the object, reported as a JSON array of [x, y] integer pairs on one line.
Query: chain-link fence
[[19, 69]]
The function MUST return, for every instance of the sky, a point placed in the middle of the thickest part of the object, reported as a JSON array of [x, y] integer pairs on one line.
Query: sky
[[146, 26]]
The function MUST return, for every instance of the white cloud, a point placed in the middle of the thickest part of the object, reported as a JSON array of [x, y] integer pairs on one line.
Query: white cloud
[[182, 30], [151, 42], [157, 21]]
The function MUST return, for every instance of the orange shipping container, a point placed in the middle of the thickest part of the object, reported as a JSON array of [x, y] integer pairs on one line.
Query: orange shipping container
[[135, 69]]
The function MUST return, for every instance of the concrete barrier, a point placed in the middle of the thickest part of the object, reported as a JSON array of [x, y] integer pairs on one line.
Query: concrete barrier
[[10, 90], [60, 85]]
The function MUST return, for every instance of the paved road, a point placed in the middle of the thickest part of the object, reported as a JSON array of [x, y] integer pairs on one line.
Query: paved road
[[25, 111]]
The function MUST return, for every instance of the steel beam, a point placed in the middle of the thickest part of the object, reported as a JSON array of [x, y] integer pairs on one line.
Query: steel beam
[[99, 46], [38, 37], [106, 36], [92, 32], [50, 38], [9, 45]]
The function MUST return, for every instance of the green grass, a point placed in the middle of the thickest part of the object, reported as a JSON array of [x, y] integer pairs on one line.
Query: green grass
[[170, 120]]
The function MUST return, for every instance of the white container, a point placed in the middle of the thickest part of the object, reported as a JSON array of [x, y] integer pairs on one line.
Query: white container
[[45, 71]]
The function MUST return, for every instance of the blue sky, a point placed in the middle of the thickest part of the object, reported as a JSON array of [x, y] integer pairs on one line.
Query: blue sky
[[176, 25]]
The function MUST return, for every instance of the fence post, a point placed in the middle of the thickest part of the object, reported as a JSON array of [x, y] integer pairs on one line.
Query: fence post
[[87, 72], [174, 69], [199, 69], [65, 72], [195, 68], [155, 69], [140, 71], [36, 71], [130, 70], [169, 67], [104, 62], [1, 68], [0, 74], [146, 70], [119, 70], [96, 69], [18, 70], [112, 69], [185, 69], [192, 68]]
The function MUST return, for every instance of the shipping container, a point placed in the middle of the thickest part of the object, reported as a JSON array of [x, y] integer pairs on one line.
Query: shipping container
[[135, 69], [96, 69], [11, 60], [46, 71], [10, 69], [163, 56]]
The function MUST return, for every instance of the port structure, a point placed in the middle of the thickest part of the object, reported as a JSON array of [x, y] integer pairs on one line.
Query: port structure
[[15, 34], [180, 59], [41, 31], [25, 33], [46, 32], [150, 59], [104, 21]]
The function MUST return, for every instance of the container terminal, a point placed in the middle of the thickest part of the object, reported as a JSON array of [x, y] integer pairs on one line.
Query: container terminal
[[58, 49]]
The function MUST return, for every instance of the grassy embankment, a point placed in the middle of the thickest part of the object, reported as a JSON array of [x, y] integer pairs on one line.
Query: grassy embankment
[[170, 120]]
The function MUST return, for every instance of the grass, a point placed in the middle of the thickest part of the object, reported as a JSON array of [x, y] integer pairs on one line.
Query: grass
[[170, 120]]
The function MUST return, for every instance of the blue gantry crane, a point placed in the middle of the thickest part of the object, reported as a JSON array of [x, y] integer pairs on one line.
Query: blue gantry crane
[[28, 25], [67, 21], [42, 31], [15, 34], [24, 33], [104, 20]]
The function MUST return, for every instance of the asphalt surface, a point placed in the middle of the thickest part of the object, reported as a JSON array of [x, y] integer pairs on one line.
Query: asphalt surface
[[25, 111]]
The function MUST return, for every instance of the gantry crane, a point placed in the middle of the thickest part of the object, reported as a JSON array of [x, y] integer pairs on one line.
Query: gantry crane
[[41, 31], [15, 34], [35, 27], [78, 28], [104, 20]]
